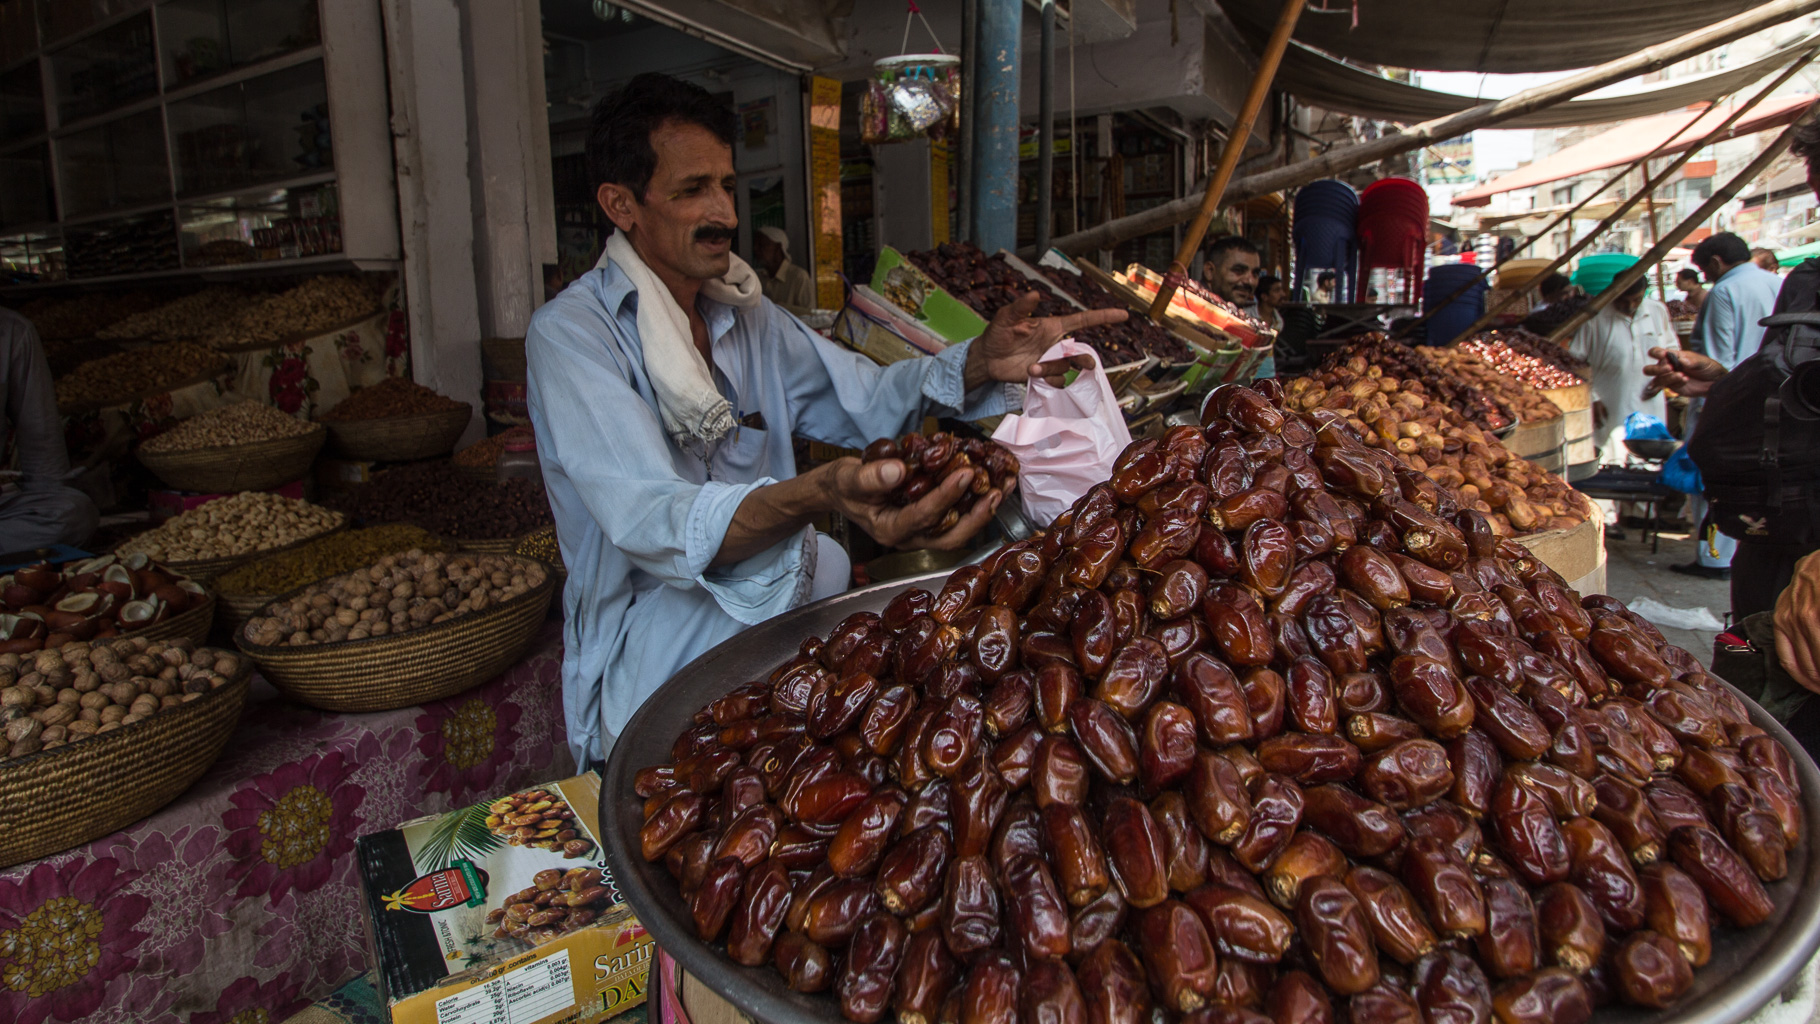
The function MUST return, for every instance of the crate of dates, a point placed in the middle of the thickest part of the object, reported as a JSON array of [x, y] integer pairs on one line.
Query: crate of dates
[[504, 910]]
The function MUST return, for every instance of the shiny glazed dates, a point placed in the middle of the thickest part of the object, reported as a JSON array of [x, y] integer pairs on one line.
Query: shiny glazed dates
[[1277, 725]]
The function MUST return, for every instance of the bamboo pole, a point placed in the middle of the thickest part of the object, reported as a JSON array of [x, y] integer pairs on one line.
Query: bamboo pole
[[1650, 205], [1344, 158], [1530, 240], [1649, 186], [1720, 197], [1229, 157]]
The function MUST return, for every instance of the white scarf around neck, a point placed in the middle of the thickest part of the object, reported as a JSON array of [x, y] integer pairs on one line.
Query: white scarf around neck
[[695, 414]]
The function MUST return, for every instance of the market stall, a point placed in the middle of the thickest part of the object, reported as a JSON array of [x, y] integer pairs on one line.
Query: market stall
[[242, 896], [382, 648]]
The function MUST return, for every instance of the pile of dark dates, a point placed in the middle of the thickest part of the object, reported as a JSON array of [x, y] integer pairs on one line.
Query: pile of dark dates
[[1266, 728], [932, 459], [986, 284]]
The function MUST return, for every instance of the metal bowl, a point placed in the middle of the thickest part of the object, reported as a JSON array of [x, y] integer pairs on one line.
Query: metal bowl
[[1747, 969], [1651, 447]]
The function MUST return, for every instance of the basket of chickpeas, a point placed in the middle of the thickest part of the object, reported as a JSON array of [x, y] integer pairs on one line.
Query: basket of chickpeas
[[107, 732], [412, 627], [247, 446]]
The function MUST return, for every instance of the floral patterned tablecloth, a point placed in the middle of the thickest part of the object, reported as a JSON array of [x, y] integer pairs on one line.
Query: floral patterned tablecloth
[[239, 903]]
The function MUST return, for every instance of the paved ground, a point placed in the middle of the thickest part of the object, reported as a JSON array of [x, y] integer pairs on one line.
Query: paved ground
[[1633, 572]]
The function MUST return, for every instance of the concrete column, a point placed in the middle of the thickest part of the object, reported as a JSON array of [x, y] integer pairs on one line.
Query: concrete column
[[995, 125], [513, 208], [471, 147], [435, 200], [1045, 131]]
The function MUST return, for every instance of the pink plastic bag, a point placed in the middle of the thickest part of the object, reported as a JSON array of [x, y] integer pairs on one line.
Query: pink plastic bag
[[1067, 438]]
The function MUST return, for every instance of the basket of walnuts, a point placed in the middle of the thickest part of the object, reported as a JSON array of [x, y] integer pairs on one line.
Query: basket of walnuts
[[412, 627], [107, 732]]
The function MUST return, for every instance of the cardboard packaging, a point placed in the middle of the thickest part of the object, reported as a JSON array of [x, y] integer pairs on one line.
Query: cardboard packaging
[[503, 911]]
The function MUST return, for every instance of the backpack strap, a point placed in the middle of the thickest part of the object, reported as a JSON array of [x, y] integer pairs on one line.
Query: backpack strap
[[1770, 458]]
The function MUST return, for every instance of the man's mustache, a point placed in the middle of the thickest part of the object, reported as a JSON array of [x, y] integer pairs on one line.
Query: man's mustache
[[713, 233]]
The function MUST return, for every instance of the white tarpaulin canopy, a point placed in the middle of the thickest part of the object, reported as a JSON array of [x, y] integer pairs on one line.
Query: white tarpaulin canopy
[[1316, 78], [1485, 35]]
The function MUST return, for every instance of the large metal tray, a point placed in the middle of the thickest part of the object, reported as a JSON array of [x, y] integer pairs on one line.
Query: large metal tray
[[1748, 967]]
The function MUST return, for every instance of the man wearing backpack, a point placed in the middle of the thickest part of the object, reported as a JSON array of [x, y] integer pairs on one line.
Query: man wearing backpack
[[1729, 330], [1758, 448]]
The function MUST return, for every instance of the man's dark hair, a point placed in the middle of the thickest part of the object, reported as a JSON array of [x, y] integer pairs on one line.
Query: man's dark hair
[[1636, 288], [1685, 273], [1806, 143], [1216, 253], [619, 137], [1325, 277], [1553, 285], [1265, 281], [1725, 245]]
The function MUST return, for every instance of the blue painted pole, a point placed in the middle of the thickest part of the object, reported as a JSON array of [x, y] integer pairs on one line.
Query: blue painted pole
[[995, 124]]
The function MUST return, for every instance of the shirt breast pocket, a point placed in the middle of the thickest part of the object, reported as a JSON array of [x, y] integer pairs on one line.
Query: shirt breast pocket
[[744, 455]]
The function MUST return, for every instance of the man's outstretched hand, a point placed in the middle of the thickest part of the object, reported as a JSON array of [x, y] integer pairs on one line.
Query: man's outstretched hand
[[1012, 347], [1685, 373], [861, 491]]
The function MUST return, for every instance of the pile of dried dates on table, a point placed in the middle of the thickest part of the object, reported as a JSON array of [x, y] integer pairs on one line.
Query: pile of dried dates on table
[[1266, 728], [934, 458], [1408, 363], [985, 284]]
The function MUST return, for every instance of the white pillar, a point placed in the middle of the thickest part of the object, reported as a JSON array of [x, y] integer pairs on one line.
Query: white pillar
[[471, 145]]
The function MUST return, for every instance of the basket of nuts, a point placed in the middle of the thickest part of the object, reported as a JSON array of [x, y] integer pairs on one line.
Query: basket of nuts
[[248, 446], [98, 599], [396, 420], [107, 733], [214, 537], [410, 628], [246, 589]]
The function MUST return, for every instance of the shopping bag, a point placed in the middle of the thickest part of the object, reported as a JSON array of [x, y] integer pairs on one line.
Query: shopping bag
[[1066, 440], [1680, 474], [1641, 426]]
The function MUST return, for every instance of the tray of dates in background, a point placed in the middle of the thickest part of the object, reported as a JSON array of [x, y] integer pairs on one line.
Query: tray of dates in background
[[1747, 968]]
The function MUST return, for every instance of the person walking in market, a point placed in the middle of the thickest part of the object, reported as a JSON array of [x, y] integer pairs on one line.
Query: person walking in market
[[1693, 290], [1616, 345], [666, 390], [1728, 331]]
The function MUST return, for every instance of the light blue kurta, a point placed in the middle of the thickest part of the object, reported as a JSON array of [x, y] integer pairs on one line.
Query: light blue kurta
[[1728, 319], [640, 519]]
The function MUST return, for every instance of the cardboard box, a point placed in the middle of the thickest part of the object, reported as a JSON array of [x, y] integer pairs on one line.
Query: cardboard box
[[436, 889]]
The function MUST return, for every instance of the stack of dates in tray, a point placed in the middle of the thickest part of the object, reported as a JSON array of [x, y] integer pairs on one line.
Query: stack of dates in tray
[[1265, 728]]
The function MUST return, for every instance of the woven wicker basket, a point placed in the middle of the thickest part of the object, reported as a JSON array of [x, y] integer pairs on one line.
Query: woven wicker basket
[[496, 546], [192, 625], [258, 466], [401, 438], [205, 570], [234, 609], [107, 782], [399, 670]]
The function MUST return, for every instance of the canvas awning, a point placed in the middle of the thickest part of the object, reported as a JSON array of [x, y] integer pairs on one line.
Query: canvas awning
[[1489, 35], [1333, 85], [1627, 142]]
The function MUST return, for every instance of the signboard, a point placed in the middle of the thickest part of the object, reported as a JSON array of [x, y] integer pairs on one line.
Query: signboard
[[1448, 163], [824, 189]]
